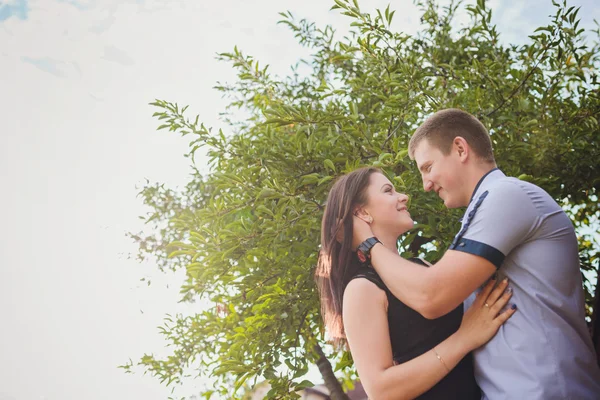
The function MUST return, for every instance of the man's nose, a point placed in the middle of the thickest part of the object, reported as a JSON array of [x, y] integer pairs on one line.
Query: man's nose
[[427, 185]]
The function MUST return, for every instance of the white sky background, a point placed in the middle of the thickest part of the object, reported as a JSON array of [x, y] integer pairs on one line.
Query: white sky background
[[77, 138]]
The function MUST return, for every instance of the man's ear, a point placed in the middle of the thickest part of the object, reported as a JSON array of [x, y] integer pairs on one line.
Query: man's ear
[[461, 147]]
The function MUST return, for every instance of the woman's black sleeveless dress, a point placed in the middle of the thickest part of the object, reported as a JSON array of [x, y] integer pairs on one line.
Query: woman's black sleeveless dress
[[412, 334]]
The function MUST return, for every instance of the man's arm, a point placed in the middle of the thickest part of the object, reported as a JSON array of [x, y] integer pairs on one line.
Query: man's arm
[[501, 220], [433, 291]]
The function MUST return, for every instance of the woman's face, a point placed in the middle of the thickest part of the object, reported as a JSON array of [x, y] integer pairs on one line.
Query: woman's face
[[387, 207]]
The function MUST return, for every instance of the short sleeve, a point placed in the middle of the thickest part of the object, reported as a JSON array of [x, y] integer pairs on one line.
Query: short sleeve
[[500, 219]]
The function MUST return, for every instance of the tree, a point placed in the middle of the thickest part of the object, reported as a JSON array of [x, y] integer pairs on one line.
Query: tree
[[247, 233]]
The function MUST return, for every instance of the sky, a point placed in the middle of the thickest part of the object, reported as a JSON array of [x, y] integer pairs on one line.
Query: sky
[[78, 140]]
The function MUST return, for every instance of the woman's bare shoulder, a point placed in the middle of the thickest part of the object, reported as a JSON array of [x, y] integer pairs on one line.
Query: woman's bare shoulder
[[363, 291]]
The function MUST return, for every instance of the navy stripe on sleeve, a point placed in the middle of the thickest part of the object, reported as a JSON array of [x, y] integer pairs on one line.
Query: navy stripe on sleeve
[[486, 251]]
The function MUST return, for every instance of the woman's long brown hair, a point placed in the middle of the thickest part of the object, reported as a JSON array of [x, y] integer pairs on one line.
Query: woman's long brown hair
[[337, 261]]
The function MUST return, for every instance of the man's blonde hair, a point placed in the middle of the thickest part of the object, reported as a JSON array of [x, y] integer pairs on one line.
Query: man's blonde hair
[[441, 128]]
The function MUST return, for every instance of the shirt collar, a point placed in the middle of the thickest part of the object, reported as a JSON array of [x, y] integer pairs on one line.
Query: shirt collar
[[490, 176]]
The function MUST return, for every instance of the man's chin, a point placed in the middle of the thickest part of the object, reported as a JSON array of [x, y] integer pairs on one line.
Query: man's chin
[[449, 204], [444, 199]]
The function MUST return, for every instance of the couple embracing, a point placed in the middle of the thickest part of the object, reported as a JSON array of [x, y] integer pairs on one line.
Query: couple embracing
[[499, 316]]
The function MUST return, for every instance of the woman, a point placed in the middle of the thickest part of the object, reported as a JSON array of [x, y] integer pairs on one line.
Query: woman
[[398, 353]]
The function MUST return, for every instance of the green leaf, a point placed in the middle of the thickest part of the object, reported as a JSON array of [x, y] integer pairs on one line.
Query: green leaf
[[268, 193], [329, 165], [304, 384]]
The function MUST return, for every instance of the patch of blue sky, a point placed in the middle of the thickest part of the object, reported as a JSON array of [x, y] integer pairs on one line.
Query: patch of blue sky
[[46, 64], [80, 5], [13, 8]]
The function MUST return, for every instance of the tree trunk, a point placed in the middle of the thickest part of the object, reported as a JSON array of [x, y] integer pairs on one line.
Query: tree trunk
[[335, 388], [596, 318]]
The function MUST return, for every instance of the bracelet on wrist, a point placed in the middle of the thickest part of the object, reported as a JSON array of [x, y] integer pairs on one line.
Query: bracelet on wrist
[[441, 359]]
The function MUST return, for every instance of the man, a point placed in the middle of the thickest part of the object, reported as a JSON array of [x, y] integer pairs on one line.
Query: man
[[515, 230]]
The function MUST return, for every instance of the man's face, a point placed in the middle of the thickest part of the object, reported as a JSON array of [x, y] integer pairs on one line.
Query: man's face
[[442, 174]]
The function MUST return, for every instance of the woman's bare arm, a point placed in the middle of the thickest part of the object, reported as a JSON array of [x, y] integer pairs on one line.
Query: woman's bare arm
[[367, 331]]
